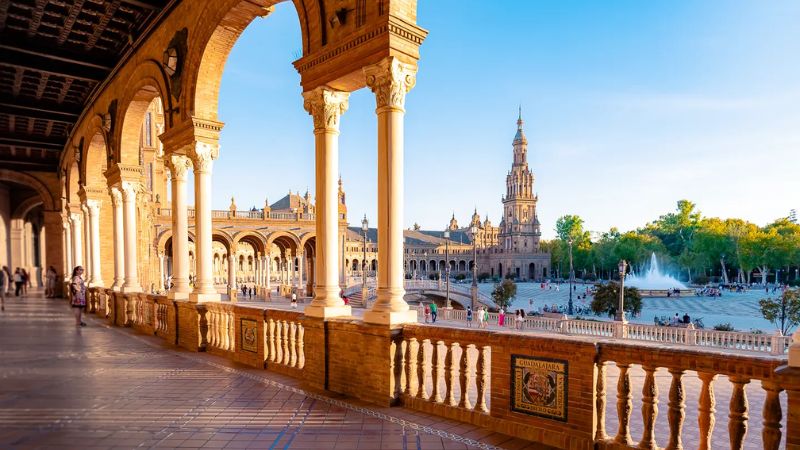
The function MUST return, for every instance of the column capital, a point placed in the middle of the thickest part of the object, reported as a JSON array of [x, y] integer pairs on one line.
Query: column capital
[[130, 189], [75, 218], [326, 106], [203, 155], [93, 206], [117, 173], [390, 80], [178, 166], [116, 194]]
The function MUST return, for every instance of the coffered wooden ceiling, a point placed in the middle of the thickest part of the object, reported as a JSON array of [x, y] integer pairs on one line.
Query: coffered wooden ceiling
[[53, 55]]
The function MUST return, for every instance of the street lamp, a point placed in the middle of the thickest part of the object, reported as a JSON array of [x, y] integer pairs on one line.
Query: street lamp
[[620, 316], [474, 230], [447, 264], [570, 307]]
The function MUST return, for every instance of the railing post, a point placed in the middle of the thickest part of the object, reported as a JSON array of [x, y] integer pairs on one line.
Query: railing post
[[771, 433], [624, 406], [706, 410], [649, 409], [737, 423], [677, 397], [600, 402], [776, 343]]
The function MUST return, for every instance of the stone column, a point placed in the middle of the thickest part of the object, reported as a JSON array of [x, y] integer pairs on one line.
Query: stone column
[[119, 238], [87, 245], [67, 250], [178, 167], [326, 107], [93, 207], [130, 190], [203, 155], [390, 80], [300, 286], [55, 247], [162, 271], [257, 270], [77, 240], [232, 277], [267, 281]]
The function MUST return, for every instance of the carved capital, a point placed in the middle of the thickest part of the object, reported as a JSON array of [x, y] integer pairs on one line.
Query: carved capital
[[203, 155], [130, 189], [326, 107], [116, 195], [178, 166], [390, 80], [75, 218], [93, 206]]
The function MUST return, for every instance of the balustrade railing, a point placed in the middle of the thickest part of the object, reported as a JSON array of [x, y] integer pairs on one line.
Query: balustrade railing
[[221, 327], [284, 339]]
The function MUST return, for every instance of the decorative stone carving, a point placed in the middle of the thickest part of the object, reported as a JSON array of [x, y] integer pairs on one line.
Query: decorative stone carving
[[93, 206], [173, 60], [116, 195], [178, 166], [326, 106], [203, 155], [130, 189], [390, 80]]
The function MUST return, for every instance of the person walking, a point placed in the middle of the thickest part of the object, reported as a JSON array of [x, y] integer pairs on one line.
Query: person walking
[[434, 312], [294, 300], [26, 281], [469, 316], [485, 317], [3, 288], [481, 317], [50, 282], [78, 290], [501, 317], [18, 280]]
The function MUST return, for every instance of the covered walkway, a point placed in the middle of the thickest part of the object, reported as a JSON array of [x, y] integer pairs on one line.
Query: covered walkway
[[103, 387]]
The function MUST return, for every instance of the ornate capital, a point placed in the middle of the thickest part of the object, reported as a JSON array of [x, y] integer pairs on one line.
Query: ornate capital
[[93, 206], [178, 166], [390, 80], [203, 155], [75, 218], [116, 195], [326, 106], [130, 189]]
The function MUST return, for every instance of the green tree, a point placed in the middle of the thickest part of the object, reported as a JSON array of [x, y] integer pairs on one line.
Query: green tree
[[606, 299], [504, 292], [784, 312], [676, 230]]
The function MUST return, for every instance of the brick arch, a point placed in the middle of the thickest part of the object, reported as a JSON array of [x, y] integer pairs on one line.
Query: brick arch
[[224, 238], [214, 38], [166, 235], [147, 83], [256, 240], [94, 161], [32, 182], [282, 234], [26, 206]]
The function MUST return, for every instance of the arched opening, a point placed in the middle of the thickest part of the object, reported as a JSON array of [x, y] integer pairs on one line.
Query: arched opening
[[531, 271]]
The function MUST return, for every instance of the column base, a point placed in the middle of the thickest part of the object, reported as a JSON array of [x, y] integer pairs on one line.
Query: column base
[[198, 297], [325, 312], [96, 284], [177, 295], [127, 289], [390, 317]]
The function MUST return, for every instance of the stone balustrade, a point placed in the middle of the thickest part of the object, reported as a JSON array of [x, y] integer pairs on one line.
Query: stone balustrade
[[475, 375], [251, 215]]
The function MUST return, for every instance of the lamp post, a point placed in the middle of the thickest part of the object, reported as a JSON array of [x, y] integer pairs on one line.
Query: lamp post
[[474, 290], [447, 265], [570, 306], [364, 228], [620, 316]]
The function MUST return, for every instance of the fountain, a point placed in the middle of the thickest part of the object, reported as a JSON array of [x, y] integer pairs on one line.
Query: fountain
[[653, 279]]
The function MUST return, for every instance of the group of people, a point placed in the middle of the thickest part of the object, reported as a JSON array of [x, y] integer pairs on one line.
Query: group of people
[[21, 281], [431, 312]]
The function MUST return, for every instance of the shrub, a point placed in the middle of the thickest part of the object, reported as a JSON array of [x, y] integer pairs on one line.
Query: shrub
[[504, 292], [701, 279], [482, 277], [433, 276], [510, 276], [606, 299], [783, 312], [460, 277], [724, 327]]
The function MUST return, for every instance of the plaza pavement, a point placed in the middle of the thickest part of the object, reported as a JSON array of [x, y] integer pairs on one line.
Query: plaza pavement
[[63, 386]]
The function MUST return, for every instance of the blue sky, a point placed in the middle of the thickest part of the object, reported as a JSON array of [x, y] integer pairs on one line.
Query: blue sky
[[629, 106]]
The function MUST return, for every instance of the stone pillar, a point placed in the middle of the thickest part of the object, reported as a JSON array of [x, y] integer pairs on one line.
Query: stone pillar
[[326, 107], [130, 190], [55, 250], [87, 245], [77, 239], [300, 285], [232, 277], [93, 207], [390, 80], [162, 271], [67, 249], [178, 167], [119, 238], [267, 281], [203, 155]]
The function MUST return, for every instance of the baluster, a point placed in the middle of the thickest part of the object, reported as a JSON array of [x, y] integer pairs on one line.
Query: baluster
[[437, 369], [706, 409], [402, 368], [464, 376], [422, 369], [600, 402], [411, 367], [649, 409], [212, 329], [271, 339], [285, 341], [301, 354], [223, 329], [279, 341], [624, 406], [451, 374], [737, 418], [676, 414], [771, 434], [482, 378], [292, 344]]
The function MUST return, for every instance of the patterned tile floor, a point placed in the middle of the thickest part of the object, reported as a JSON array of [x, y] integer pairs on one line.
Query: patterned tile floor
[[98, 387]]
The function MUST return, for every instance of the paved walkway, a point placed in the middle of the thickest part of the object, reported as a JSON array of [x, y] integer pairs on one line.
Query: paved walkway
[[99, 387]]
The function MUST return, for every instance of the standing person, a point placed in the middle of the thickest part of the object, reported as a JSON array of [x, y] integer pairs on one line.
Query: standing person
[[485, 317], [3, 288], [294, 300], [434, 312], [469, 316], [501, 317], [78, 290], [26, 281], [481, 318], [427, 313], [18, 280], [50, 282]]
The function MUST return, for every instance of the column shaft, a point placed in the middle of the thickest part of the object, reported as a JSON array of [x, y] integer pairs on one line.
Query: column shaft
[[129, 192], [203, 155], [119, 239], [179, 166], [93, 207], [77, 240]]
